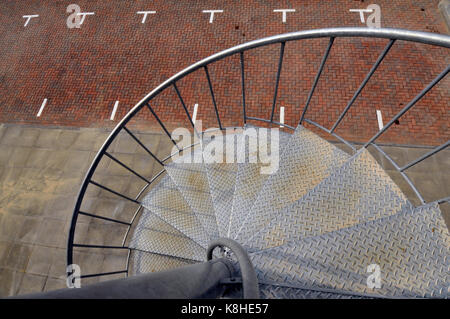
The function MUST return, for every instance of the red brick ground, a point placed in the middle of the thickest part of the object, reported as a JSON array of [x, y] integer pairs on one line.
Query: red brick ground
[[113, 56]]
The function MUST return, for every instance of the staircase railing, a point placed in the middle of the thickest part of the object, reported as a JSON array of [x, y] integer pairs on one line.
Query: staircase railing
[[392, 35]]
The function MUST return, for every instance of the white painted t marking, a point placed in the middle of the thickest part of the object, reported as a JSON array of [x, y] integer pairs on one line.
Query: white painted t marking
[[211, 17], [284, 13], [29, 17], [361, 13], [84, 14], [145, 13]]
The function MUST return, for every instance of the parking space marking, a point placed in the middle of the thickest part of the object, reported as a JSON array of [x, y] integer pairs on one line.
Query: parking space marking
[[194, 114], [284, 13], [282, 116], [113, 114], [42, 108], [29, 17], [145, 13], [380, 120], [211, 12]]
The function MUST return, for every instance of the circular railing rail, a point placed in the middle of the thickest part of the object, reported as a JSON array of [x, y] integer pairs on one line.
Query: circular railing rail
[[391, 34]]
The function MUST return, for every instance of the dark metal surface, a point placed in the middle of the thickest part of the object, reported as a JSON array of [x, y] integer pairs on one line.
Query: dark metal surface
[[189, 282], [249, 280]]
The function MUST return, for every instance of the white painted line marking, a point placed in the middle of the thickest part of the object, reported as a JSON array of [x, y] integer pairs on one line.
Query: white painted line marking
[[84, 14], [380, 120], [361, 13], [42, 108], [29, 17], [113, 114], [282, 116], [284, 13], [194, 115], [211, 17], [145, 13]]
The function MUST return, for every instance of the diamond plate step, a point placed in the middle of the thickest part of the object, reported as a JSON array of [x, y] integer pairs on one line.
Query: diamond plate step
[[221, 177], [166, 202], [192, 182], [249, 181], [268, 291], [411, 248], [161, 238], [357, 192], [143, 262], [305, 161]]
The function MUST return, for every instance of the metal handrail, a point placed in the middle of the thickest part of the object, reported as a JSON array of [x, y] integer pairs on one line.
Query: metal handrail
[[331, 33]]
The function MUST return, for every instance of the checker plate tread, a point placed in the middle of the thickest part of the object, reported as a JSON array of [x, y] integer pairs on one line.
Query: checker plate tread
[[166, 202], [304, 162], [161, 238], [411, 248], [357, 192]]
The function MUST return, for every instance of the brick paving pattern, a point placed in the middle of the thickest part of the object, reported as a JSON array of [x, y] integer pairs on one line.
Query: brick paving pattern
[[113, 56]]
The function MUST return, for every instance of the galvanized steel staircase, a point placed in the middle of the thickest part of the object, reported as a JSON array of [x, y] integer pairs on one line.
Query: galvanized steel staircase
[[312, 227]]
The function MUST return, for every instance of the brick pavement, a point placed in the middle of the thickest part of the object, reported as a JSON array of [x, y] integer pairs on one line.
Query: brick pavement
[[113, 56]]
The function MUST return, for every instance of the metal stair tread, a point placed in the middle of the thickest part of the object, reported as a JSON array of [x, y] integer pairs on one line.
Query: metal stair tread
[[358, 191], [222, 178], [166, 202], [411, 248], [305, 160], [249, 181], [161, 238], [192, 182], [273, 291]]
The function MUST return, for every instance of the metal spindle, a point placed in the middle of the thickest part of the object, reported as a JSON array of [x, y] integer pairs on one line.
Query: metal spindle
[[143, 146], [113, 192], [243, 85], [104, 218], [280, 63], [184, 105], [364, 82], [212, 96], [99, 246], [425, 156], [161, 124], [316, 80], [103, 274], [126, 167], [410, 105]]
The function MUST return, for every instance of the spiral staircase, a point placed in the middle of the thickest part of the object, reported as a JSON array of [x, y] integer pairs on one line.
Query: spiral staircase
[[312, 227]]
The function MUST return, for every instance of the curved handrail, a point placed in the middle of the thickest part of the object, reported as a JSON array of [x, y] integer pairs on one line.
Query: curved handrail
[[387, 33], [249, 279]]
